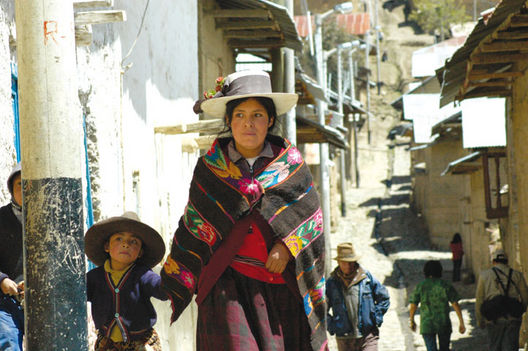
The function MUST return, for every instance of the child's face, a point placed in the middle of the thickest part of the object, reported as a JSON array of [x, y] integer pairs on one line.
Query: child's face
[[124, 249]]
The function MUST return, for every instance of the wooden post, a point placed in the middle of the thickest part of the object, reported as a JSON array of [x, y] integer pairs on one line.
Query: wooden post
[[51, 137]]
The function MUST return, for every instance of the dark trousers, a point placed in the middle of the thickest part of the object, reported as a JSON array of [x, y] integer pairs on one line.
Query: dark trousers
[[456, 269], [503, 335], [443, 341], [366, 343]]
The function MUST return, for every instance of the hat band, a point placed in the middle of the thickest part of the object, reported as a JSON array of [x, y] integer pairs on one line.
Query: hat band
[[253, 84]]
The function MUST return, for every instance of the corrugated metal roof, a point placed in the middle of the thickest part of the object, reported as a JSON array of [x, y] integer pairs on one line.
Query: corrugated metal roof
[[461, 166], [279, 13], [426, 60], [455, 68], [352, 23]]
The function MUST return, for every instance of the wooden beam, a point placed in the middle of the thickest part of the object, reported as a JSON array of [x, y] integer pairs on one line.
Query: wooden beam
[[519, 21], [99, 17], [191, 144], [249, 34], [493, 92], [497, 58], [491, 84], [206, 126], [86, 4], [520, 34], [83, 35], [494, 75], [227, 25], [248, 13], [498, 46], [234, 43]]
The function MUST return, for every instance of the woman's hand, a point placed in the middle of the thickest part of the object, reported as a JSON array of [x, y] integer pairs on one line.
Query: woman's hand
[[278, 258]]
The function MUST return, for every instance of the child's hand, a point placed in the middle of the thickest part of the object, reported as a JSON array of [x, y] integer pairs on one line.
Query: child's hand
[[278, 258], [462, 328], [9, 287], [20, 289]]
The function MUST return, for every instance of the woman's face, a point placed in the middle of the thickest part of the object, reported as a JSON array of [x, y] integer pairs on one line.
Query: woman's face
[[249, 125]]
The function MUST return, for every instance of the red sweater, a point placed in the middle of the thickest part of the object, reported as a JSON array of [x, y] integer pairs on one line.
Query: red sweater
[[457, 250]]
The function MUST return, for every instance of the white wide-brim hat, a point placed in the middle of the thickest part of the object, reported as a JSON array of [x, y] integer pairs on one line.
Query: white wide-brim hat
[[245, 84]]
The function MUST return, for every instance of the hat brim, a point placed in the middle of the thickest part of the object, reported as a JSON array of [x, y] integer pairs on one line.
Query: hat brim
[[354, 258], [96, 237], [216, 107]]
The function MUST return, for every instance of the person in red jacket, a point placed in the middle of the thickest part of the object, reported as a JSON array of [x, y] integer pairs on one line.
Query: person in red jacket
[[458, 251]]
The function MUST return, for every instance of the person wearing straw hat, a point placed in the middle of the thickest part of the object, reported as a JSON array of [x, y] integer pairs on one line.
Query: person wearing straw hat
[[11, 266], [356, 303], [250, 243], [120, 288]]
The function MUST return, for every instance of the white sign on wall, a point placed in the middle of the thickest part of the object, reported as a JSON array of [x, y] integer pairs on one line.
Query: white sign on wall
[[483, 122]]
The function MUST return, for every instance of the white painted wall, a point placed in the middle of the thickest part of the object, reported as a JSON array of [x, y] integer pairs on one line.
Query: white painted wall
[[157, 84], [7, 147]]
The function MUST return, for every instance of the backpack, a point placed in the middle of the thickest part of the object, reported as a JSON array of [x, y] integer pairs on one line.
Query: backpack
[[502, 305]]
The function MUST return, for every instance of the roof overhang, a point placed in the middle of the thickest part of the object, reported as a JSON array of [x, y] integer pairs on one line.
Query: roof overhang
[[309, 131], [487, 63], [464, 165], [308, 89], [256, 24]]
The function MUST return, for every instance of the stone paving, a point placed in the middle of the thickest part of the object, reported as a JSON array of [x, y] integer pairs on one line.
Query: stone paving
[[394, 246]]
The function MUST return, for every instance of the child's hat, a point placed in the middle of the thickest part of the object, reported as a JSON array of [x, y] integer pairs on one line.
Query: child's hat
[[98, 234]]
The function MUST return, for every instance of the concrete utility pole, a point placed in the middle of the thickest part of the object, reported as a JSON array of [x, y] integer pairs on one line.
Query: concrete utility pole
[[378, 49], [354, 123], [51, 136], [340, 111], [289, 85], [324, 176], [367, 68]]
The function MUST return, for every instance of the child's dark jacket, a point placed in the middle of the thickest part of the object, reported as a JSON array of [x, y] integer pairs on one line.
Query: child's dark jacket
[[127, 304]]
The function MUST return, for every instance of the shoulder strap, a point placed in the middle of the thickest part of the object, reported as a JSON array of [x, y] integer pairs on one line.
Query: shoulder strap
[[505, 290]]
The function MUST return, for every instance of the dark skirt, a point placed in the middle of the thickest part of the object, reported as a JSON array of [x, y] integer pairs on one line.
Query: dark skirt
[[241, 313]]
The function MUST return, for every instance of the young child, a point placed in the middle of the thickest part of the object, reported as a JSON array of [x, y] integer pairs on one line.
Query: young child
[[434, 295], [124, 249]]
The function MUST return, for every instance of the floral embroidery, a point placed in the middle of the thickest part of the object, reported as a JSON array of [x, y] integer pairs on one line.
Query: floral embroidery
[[198, 226], [180, 273], [294, 156], [304, 234]]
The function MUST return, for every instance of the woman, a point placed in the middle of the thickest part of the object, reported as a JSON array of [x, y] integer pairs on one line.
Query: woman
[[250, 242], [434, 295], [457, 252]]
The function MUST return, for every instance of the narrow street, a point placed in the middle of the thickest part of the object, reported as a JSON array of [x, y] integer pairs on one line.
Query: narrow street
[[394, 245]]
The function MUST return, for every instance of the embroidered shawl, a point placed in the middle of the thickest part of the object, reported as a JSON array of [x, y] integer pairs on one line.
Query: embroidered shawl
[[219, 196]]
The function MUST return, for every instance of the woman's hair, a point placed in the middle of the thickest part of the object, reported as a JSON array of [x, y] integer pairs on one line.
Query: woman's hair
[[456, 238], [433, 269], [267, 103]]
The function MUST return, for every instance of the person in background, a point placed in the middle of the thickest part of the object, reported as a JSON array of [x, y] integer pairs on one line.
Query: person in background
[[457, 252], [120, 288], [11, 266], [503, 333], [250, 243], [356, 303], [433, 295]]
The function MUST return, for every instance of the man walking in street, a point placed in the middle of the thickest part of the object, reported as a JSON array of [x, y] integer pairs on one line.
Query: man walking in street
[[11, 267], [501, 299], [357, 302]]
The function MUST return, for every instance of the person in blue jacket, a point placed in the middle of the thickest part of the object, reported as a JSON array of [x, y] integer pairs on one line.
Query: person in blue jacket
[[356, 303]]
